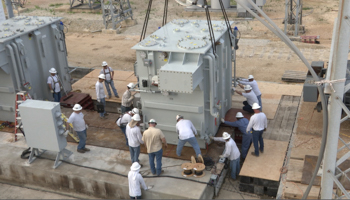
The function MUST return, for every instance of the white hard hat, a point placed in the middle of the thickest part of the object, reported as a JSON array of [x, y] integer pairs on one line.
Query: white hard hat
[[102, 76], [104, 63], [225, 136], [135, 166], [152, 121], [255, 106], [239, 115], [179, 117], [131, 85], [136, 117], [53, 71], [135, 111], [247, 87], [250, 77], [77, 107]]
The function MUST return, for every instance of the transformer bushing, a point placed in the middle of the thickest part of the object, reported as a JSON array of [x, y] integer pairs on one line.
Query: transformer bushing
[[115, 11], [92, 4], [178, 73]]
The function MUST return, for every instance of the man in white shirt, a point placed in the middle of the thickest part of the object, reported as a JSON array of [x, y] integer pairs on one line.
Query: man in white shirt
[[257, 123], [54, 84], [251, 98], [133, 133], [231, 152], [250, 81], [187, 133], [109, 74], [136, 181], [79, 126], [100, 94], [123, 120]]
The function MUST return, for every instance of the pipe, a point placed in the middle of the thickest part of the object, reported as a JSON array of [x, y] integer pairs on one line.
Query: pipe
[[15, 69], [211, 58], [284, 38], [20, 67], [223, 75], [182, 3], [146, 91], [9, 8]]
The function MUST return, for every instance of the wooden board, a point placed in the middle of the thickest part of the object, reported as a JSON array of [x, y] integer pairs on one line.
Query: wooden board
[[296, 190], [294, 76], [268, 164], [295, 170], [121, 79], [309, 167], [299, 153]]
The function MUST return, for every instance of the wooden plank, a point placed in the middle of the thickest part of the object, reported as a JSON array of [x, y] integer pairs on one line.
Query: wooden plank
[[295, 170], [267, 165], [299, 153], [296, 190]]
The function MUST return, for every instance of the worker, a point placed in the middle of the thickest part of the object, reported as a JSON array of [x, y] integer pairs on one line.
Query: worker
[[127, 98], [153, 138], [258, 123], [54, 84], [251, 98], [242, 124], [136, 181], [250, 81], [186, 133], [79, 126], [109, 74], [133, 133], [100, 94], [124, 119], [231, 152]]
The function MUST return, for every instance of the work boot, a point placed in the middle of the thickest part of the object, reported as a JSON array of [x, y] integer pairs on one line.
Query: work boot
[[109, 96], [106, 114], [117, 96], [104, 117], [261, 151], [255, 154], [80, 151], [86, 149], [161, 173]]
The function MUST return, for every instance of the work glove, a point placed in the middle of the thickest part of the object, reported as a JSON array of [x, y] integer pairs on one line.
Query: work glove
[[51, 91], [149, 187], [222, 120], [86, 126], [98, 100], [221, 156]]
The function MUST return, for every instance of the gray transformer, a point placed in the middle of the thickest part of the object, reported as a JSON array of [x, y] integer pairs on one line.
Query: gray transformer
[[178, 73], [29, 47]]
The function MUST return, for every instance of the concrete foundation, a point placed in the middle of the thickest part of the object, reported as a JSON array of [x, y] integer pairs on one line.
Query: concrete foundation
[[95, 173]]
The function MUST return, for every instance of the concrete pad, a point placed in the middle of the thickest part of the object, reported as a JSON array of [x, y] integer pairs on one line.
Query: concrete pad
[[99, 173]]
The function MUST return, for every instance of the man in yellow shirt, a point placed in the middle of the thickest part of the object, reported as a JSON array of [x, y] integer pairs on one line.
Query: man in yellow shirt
[[153, 139]]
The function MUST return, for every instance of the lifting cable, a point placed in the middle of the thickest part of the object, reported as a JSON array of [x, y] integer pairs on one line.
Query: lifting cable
[[145, 23], [210, 27], [227, 22], [165, 13]]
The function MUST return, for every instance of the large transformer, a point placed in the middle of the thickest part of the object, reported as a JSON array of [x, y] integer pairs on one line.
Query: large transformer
[[178, 73], [29, 47]]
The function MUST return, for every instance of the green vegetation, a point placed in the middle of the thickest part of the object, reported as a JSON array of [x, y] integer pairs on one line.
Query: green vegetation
[[307, 8], [233, 3], [37, 7], [55, 5]]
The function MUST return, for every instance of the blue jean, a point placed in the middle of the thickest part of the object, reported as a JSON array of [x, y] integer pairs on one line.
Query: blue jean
[[56, 96], [125, 109], [158, 155], [247, 107], [134, 153], [235, 168], [193, 142], [103, 101], [123, 128], [110, 83], [82, 139], [257, 138], [260, 104]]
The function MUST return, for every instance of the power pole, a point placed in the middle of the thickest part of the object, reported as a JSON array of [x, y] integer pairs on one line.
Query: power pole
[[337, 70], [293, 15]]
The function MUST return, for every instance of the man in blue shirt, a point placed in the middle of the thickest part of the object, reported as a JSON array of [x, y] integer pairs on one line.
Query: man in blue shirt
[[241, 124]]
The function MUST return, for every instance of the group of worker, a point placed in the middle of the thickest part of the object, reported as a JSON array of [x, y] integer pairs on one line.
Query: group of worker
[[153, 138]]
